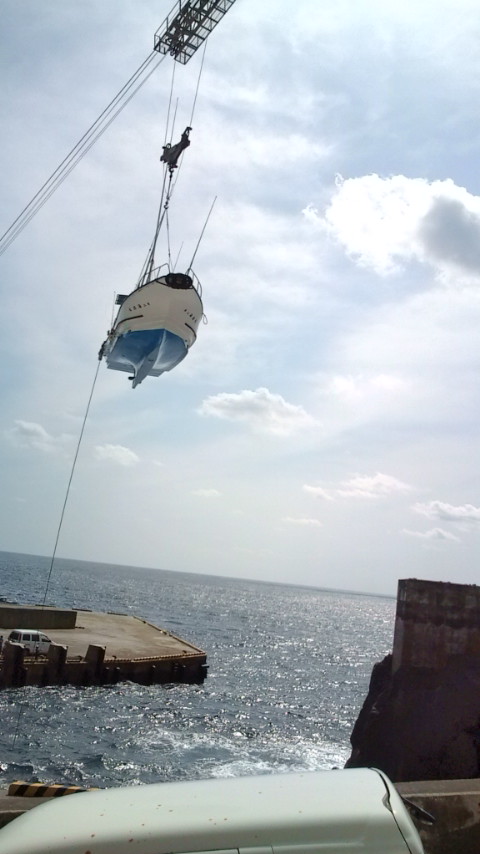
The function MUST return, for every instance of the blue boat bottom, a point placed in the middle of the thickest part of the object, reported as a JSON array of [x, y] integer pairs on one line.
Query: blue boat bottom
[[148, 352]]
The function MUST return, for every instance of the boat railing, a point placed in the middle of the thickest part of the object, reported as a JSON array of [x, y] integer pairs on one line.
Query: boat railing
[[196, 283], [157, 272]]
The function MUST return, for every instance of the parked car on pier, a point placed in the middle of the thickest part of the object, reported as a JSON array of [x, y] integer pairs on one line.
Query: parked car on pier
[[31, 639]]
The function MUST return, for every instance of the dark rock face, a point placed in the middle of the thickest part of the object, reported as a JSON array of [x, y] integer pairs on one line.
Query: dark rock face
[[421, 723]]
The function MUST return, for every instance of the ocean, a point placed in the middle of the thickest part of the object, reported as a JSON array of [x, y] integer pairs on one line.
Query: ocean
[[288, 672]]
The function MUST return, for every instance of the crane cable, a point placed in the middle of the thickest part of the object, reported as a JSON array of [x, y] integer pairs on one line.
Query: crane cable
[[89, 138], [62, 514], [98, 364], [165, 197], [22, 706], [149, 262]]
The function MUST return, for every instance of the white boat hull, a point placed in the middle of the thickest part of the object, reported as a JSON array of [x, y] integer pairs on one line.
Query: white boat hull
[[154, 329]]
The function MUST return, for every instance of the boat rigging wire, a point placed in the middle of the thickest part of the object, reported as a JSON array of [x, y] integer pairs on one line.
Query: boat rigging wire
[[89, 138]]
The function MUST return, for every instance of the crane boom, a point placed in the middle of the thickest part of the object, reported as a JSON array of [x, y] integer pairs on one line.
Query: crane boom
[[187, 26]]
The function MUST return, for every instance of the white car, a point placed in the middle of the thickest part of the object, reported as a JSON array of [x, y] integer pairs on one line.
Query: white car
[[31, 639]]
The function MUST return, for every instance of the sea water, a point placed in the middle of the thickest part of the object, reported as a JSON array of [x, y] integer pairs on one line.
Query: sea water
[[288, 671]]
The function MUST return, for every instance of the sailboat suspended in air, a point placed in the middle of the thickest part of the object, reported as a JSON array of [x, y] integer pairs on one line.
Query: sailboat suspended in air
[[157, 323]]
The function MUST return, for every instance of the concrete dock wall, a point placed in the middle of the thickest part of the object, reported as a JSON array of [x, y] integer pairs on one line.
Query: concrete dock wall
[[36, 617], [21, 669]]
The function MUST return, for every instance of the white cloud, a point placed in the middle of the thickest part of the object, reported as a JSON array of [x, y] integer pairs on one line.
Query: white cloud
[[116, 454], [384, 223], [318, 492], [206, 493], [260, 410], [352, 389], [361, 486], [29, 434], [432, 534], [448, 512], [312, 523], [376, 486], [256, 150]]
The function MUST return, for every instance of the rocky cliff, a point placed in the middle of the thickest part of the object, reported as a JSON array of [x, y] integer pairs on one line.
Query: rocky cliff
[[421, 723]]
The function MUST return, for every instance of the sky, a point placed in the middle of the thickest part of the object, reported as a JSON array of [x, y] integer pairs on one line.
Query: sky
[[323, 429]]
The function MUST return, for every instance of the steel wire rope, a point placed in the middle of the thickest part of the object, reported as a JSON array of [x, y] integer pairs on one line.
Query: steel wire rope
[[78, 144], [193, 109], [66, 171], [62, 514], [198, 81], [78, 152], [169, 107], [147, 264], [150, 259], [81, 141], [162, 210], [171, 191]]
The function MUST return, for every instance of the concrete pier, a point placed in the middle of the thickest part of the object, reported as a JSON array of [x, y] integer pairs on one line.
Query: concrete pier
[[91, 648]]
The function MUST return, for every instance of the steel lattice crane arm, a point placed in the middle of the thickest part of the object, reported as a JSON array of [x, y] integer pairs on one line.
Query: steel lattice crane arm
[[187, 26]]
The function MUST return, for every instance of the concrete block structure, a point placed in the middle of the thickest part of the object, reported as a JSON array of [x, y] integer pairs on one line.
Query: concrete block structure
[[36, 617], [435, 620], [421, 717]]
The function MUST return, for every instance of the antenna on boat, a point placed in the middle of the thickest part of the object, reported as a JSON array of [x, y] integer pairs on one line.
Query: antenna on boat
[[178, 256]]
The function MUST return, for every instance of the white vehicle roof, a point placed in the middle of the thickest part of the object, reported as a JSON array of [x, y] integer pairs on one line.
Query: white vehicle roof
[[29, 632], [326, 811]]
